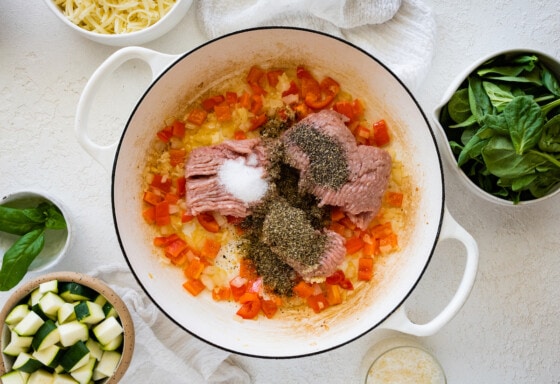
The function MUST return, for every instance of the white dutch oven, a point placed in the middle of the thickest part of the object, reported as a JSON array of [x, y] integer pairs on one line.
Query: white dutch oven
[[178, 79]]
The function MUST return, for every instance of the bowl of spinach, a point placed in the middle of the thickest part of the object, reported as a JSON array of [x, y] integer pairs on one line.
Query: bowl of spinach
[[500, 126], [34, 235]]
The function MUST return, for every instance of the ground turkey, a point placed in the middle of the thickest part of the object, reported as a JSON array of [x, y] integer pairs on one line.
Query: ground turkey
[[335, 169]]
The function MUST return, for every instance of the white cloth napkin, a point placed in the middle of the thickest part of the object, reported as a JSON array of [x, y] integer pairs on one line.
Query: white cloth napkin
[[163, 352], [400, 33]]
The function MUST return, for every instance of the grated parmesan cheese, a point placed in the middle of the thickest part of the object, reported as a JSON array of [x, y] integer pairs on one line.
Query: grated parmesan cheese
[[114, 16], [242, 179]]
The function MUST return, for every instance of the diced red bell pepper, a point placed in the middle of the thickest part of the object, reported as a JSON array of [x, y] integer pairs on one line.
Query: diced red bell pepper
[[365, 268], [250, 309], [209, 103], [197, 116], [317, 302], [208, 222], [178, 129], [162, 214]]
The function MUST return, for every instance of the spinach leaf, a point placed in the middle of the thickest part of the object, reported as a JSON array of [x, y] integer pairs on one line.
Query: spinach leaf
[[499, 95], [550, 106], [544, 184], [459, 107], [19, 257], [497, 123], [550, 139], [502, 160], [549, 81], [478, 99], [473, 147], [19, 221], [525, 122], [509, 68]]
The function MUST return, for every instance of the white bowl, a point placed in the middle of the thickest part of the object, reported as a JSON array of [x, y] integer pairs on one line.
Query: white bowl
[[552, 64], [161, 27], [56, 241]]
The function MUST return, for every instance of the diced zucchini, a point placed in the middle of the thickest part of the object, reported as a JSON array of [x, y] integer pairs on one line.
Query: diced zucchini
[[108, 364], [13, 377], [107, 330], [49, 356], [37, 309], [17, 314], [50, 303], [66, 313], [63, 378], [29, 325], [17, 344], [71, 291], [72, 332], [113, 344], [101, 300], [35, 296], [94, 348], [84, 374], [26, 363], [46, 336], [40, 377], [109, 310], [75, 357], [49, 286], [88, 312]]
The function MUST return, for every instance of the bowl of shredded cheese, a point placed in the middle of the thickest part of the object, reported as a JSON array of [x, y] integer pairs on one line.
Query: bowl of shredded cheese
[[120, 22]]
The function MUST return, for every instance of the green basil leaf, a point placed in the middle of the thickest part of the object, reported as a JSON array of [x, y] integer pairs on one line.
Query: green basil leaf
[[502, 160], [55, 219], [525, 122], [19, 257], [550, 138], [18, 221]]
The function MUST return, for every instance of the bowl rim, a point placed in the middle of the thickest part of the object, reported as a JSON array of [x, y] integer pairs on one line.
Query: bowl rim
[[92, 282], [144, 35], [36, 194], [442, 137], [440, 214]]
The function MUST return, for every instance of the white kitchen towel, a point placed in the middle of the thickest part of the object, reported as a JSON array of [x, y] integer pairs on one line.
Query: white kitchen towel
[[399, 33], [163, 352]]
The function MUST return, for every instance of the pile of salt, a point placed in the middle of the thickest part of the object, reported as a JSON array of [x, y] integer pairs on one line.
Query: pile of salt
[[243, 179]]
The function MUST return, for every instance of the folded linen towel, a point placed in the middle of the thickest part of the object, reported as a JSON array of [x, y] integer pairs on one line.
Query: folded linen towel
[[400, 33], [163, 351]]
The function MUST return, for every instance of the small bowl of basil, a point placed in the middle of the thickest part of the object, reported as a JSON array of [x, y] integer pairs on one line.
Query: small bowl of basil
[[499, 125], [35, 234]]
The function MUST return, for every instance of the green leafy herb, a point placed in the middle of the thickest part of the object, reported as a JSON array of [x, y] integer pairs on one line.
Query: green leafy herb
[[503, 125], [30, 224]]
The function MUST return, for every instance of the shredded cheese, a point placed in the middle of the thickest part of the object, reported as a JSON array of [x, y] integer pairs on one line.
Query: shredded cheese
[[114, 16]]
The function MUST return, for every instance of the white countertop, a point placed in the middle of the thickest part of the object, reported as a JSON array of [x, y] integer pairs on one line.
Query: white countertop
[[509, 329]]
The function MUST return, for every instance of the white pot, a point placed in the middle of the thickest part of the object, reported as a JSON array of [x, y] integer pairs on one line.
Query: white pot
[[180, 78]]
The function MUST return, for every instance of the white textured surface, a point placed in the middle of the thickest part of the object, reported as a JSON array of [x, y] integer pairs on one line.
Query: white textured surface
[[509, 329]]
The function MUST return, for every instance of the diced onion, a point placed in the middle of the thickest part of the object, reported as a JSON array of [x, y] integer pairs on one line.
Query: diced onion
[[114, 16]]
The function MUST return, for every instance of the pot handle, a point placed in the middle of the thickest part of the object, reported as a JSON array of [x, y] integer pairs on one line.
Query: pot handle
[[104, 154], [399, 320]]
